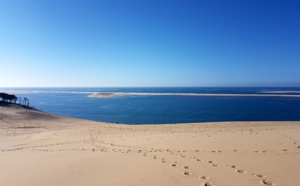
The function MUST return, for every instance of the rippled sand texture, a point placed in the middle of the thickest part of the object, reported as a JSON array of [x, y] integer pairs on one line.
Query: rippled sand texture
[[41, 149]]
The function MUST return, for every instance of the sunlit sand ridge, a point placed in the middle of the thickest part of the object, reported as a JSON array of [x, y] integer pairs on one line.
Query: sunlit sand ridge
[[37, 148]]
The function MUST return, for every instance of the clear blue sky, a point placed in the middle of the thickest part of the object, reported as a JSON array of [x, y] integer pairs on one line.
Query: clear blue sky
[[77, 43]]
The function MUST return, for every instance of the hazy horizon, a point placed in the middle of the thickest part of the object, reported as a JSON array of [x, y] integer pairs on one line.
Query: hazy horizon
[[154, 43], [152, 87]]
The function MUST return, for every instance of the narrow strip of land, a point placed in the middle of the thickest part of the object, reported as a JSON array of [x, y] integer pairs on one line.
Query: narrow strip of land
[[116, 94]]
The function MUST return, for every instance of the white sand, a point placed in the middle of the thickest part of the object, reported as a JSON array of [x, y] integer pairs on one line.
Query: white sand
[[41, 149]]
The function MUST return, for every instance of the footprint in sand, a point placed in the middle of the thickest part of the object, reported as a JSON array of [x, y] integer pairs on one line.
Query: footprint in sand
[[186, 167], [204, 177], [259, 175], [207, 184], [187, 173], [174, 165], [241, 171], [266, 182]]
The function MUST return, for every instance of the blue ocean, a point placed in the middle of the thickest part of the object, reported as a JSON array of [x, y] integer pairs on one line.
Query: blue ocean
[[164, 109]]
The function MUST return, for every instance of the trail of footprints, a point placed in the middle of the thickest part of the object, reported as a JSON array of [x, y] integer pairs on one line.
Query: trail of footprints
[[186, 172], [102, 146], [294, 141]]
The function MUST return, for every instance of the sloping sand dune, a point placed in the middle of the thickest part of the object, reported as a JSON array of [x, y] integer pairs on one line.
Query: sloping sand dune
[[37, 148]]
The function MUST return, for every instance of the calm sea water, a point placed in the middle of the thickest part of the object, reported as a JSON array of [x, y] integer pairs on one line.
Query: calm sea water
[[73, 102]]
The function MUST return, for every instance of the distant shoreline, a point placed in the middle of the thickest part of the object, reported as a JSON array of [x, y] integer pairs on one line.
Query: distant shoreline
[[117, 94]]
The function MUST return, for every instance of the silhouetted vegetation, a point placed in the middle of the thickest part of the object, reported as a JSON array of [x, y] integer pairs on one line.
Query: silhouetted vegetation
[[11, 98], [8, 97]]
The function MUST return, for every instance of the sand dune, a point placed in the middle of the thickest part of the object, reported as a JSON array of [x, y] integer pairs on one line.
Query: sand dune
[[37, 148]]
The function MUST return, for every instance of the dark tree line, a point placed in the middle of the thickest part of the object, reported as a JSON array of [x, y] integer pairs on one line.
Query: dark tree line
[[11, 98], [8, 97]]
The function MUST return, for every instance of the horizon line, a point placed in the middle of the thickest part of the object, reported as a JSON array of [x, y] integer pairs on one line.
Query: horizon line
[[215, 86]]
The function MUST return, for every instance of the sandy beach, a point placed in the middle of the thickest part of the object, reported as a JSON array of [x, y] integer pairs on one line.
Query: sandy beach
[[37, 148]]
